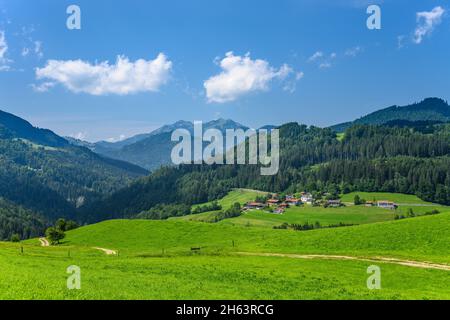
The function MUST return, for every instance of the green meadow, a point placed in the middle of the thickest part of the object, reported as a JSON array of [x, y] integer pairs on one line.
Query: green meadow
[[241, 258], [377, 196], [155, 262], [349, 214]]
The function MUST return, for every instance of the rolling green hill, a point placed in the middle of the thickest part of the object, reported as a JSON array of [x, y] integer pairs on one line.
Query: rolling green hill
[[422, 238], [155, 262]]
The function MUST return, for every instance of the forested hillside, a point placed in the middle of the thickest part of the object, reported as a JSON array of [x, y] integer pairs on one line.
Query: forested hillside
[[431, 109], [16, 220], [44, 173], [368, 158]]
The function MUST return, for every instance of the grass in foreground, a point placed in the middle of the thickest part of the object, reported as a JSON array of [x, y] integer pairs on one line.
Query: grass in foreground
[[40, 273], [142, 271]]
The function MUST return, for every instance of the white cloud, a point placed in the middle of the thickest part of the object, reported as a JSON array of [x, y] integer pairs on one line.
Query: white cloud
[[323, 60], [43, 87], [315, 56], [353, 52], [79, 136], [113, 140], [299, 75], [241, 75], [325, 65], [427, 21], [291, 85], [122, 78]]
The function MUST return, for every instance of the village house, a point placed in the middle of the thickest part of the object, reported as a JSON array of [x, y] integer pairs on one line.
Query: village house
[[334, 203], [369, 204], [307, 198], [293, 201], [254, 205], [273, 202], [387, 205], [283, 205]]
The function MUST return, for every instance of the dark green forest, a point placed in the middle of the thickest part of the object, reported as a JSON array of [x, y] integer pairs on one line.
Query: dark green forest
[[16, 220]]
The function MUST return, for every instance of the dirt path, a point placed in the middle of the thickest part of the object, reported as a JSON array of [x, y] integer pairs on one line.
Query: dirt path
[[109, 252], [408, 263], [44, 242]]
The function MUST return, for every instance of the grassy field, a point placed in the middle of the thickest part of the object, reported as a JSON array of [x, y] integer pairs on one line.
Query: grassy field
[[241, 196], [142, 271], [325, 216], [395, 197], [236, 260], [41, 274]]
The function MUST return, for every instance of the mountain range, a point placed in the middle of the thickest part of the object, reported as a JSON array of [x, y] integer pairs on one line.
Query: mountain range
[[153, 150]]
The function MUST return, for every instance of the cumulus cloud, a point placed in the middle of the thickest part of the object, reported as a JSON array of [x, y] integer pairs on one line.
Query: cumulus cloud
[[122, 78], [241, 75], [426, 22]]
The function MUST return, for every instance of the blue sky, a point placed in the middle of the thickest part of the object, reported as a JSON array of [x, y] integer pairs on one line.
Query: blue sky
[[257, 62]]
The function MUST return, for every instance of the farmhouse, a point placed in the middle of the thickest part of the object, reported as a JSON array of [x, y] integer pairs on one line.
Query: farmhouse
[[254, 205], [334, 203], [273, 202], [307, 198], [369, 204], [387, 205], [293, 201]]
